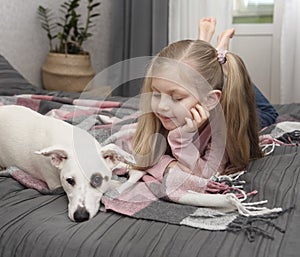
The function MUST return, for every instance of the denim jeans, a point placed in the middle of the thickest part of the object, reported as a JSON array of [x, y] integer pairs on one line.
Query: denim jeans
[[266, 112]]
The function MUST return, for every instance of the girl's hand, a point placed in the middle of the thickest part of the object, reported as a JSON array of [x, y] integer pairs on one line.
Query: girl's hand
[[199, 116]]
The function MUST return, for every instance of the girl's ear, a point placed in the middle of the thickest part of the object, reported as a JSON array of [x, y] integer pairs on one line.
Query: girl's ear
[[212, 99]]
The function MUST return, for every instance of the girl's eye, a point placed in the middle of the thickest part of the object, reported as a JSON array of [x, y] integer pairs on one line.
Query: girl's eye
[[177, 99]]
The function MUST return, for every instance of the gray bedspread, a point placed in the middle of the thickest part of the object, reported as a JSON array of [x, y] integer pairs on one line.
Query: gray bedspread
[[37, 225]]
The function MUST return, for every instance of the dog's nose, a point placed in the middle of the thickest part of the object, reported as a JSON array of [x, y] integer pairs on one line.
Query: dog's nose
[[81, 214]]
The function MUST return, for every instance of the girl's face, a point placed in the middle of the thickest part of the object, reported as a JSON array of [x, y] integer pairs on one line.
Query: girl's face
[[171, 103]]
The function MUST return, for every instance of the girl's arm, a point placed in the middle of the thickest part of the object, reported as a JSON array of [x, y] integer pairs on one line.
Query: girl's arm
[[184, 151], [181, 140], [191, 146]]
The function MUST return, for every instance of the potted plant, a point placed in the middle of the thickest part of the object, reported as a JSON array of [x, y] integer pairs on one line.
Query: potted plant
[[68, 66]]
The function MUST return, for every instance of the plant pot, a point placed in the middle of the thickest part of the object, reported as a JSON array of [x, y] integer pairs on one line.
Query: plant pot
[[67, 72]]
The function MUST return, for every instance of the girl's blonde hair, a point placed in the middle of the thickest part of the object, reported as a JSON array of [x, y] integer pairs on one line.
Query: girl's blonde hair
[[237, 101]]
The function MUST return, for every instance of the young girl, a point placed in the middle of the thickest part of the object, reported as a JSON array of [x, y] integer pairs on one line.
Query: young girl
[[184, 102]]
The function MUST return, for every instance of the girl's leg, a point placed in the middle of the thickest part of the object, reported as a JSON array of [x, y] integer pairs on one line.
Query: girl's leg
[[224, 38], [206, 28], [223, 44], [267, 114]]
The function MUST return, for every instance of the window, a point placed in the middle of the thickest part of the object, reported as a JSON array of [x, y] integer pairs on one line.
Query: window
[[253, 11]]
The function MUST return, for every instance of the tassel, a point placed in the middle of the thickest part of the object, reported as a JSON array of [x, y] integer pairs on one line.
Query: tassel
[[249, 225], [226, 184], [246, 210]]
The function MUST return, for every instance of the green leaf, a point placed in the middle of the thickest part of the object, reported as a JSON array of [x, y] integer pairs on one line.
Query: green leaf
[[70, 25], [95, 15], [91, 7]]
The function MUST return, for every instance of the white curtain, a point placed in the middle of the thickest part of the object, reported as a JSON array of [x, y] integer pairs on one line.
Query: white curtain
[[184, 16], [290, 53]]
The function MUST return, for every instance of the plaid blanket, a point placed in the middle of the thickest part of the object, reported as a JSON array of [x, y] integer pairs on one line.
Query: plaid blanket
[[151, 198]]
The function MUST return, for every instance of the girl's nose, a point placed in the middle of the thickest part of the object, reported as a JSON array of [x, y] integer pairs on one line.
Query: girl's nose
[[164, 103]]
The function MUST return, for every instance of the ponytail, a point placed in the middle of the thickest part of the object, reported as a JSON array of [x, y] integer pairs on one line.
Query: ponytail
[[238, 103]]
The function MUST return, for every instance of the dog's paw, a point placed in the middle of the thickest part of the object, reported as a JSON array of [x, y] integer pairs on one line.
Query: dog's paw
[[115, 155]]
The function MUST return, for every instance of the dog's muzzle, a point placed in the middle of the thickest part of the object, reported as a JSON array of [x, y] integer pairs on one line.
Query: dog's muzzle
[[81, 214]]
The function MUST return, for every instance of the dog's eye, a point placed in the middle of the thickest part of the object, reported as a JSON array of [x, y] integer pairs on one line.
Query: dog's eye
[[71, 181], [96, 180]]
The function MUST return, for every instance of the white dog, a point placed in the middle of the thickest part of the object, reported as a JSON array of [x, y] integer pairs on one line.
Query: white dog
[[59, 154]]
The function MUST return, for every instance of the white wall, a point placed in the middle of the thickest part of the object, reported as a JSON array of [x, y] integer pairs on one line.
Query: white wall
[[25, 45], [254, 44]]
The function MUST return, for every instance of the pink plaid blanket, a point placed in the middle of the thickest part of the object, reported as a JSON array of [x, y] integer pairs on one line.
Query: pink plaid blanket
[[176, 198]]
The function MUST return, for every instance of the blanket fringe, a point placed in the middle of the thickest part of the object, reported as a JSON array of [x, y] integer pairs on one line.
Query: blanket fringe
[[251, 225], [232, 187], [225, 184], [248, 209]]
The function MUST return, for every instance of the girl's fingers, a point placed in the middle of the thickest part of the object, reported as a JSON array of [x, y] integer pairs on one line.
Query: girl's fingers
[[203, 110], [199, 113], [196, 114], [189, 123]]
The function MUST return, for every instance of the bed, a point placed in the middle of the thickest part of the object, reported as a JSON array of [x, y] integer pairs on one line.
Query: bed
[[34, 224]]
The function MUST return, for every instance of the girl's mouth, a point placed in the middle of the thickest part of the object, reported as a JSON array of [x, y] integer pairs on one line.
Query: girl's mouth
[[164, 118]]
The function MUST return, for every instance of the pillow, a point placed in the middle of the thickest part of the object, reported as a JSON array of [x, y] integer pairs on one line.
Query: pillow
[[12, 82]]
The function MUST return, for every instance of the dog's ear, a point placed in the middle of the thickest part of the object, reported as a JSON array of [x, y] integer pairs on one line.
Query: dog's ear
[[57, 155]]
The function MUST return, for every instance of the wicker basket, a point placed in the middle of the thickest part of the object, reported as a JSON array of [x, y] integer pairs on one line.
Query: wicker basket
[[67, 72]]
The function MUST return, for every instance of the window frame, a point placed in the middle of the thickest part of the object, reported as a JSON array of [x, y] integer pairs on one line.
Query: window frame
[[253, 13]]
